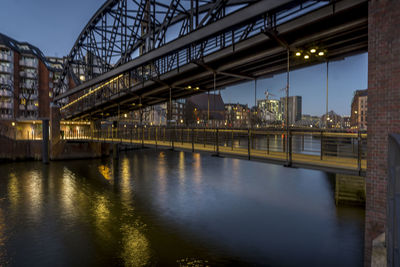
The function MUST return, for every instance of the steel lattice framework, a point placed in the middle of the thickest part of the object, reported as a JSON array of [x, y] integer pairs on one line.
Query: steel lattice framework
[[122, 30], [133, 54]]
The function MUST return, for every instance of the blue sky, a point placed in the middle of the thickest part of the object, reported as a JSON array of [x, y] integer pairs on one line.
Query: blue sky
[[345, 76], [54, 25]]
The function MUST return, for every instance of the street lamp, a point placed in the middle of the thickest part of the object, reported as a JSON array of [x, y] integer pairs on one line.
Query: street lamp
[[318, 54]]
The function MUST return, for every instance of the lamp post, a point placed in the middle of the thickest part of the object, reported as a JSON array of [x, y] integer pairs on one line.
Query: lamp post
[[327, 86]]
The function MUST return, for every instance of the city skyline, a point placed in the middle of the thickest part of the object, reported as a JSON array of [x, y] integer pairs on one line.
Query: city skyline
[[345, 76]]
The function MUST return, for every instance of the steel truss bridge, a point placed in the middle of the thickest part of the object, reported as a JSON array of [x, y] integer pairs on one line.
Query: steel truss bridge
[[138, 53]]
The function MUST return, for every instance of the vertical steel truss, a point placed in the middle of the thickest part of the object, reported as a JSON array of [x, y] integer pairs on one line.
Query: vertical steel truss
[[122, 30]]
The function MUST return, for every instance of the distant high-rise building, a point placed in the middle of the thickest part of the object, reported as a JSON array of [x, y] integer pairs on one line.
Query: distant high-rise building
[[359, 108], [295, 108]]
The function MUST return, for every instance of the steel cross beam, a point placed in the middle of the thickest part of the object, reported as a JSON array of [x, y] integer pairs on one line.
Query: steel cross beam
[[237, 18]]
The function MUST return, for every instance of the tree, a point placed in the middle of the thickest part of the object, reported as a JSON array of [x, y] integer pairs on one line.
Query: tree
[[27, 93]]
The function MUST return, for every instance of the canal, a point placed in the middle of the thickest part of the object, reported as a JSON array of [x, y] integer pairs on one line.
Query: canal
[[173, 208]]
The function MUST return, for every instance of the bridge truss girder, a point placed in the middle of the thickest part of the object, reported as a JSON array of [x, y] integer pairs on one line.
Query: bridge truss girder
[[122, 30], [239, 53]]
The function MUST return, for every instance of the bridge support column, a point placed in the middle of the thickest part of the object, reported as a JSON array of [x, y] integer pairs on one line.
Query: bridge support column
[[45, 141], [95, 129], [115, 151], [383, 111]]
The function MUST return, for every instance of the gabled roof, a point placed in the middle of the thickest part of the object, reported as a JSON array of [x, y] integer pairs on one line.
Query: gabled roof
[[201, 102]]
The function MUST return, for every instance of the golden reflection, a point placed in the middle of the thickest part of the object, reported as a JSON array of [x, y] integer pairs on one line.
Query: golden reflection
[[68, 193], [197, 168], [35, 194], [135, 246], [102, 216], [2, 237], [105, 171], [13, 191], [181, 168], [162, 172], [126, 180]]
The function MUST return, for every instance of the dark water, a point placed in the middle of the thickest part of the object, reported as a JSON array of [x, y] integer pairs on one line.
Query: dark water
[[160, 207]]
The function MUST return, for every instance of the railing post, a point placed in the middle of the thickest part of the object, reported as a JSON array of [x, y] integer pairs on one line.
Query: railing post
[[267, 144], [216, 141], [359, 153], [248, 143], [142, 137], [192, 140], [204, 137], [322, 146], [182, 135], [290, 147], [284, 143], [156, 137], [172, 138], [232, 141]]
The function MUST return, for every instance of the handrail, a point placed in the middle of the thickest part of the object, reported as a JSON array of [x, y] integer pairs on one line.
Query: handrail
[[345, 150]]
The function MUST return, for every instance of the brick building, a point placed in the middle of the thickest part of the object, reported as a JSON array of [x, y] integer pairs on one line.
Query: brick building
[[26, 81], [359, 108], [205, 110], [237, 115]]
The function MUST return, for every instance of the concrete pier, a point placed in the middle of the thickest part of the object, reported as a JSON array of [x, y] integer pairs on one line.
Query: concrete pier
[[350, 190], [45, 141]]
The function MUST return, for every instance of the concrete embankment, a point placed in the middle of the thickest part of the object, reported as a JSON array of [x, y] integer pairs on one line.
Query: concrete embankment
[[13, 150]]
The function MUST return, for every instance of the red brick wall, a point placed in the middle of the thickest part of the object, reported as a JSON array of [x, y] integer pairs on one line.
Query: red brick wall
[[16, 84], [383, 109], [44, 99]]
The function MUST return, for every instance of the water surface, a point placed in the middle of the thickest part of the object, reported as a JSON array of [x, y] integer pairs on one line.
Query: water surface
[[165, 208]]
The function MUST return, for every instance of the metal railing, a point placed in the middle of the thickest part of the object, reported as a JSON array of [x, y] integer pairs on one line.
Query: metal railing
[[305, 146]]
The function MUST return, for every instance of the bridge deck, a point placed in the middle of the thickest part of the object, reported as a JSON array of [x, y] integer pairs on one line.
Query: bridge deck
[[335, 164]]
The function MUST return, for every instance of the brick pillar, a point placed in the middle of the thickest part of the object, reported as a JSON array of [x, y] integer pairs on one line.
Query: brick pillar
[[383, 110], [55, 118]]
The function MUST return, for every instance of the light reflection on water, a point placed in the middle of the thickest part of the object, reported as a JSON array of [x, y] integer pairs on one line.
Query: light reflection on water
[[163, 207], [2, 238]]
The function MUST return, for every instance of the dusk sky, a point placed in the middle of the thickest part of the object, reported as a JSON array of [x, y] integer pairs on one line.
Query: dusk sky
[[54, 25]]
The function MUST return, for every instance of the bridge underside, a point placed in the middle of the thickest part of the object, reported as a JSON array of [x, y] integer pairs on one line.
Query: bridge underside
[[340, 30]]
